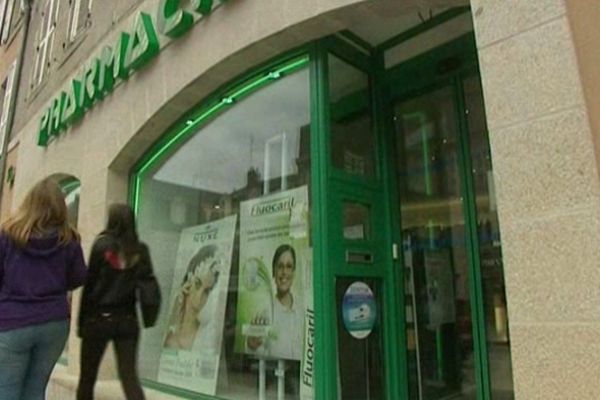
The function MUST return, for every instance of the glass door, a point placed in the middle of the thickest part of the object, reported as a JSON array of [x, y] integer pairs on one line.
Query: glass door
[[439, 316], [456, 325], [410, 245]]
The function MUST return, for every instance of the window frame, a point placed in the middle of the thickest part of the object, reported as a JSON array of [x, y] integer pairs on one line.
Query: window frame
[[44, 42], [10, 21], [74, 29], [7, 105], [3, 8]]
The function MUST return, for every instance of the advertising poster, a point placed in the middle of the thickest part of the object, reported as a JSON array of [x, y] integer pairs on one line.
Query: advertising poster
[[274, 262], [440, 288], [307, 391], [191, 348], [359, 310]]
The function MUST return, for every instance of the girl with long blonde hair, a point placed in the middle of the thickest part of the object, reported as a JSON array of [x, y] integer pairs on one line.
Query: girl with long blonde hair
[[40, 261]]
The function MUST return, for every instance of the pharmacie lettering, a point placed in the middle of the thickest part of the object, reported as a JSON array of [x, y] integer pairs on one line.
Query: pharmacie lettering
[[309, 355], [272, 207], [174, 21], [131, 51]]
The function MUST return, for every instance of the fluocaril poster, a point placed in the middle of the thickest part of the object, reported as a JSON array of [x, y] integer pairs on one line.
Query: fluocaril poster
[[191, 348], [274, 260]]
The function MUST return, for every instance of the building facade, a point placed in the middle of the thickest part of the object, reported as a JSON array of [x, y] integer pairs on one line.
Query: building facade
[[13, 23], [352, 199]]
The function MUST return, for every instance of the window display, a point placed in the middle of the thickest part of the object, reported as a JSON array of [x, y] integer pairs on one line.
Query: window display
[[226, 216]]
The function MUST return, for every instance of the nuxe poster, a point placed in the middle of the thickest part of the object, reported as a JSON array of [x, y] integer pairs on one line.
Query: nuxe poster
[[192, 344]]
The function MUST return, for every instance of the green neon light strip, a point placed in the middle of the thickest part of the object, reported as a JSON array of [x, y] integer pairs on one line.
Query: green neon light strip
[[189, 125]]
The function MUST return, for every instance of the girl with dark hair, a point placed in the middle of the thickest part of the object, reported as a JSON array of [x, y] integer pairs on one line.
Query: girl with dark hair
[[118, 260], [40, 260]]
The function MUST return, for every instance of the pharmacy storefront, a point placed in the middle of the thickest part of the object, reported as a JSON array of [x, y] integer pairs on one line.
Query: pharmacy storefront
[[323, 223]]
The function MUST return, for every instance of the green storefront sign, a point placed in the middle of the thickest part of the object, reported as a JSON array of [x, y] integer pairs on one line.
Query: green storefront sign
[[130, 52]]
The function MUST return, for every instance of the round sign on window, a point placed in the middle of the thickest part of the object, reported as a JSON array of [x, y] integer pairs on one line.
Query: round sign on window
[[359, 310]]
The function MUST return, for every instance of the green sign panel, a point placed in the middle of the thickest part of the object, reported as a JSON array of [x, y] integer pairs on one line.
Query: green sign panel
[[131, 51]]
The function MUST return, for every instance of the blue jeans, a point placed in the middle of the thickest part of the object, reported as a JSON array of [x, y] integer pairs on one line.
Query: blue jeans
[[27, 357]]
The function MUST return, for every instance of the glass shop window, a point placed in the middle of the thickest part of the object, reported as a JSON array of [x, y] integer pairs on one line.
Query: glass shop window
[[226, 217]]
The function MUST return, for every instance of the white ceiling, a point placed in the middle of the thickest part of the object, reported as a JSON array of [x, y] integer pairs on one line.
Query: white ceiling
[[379, 21]]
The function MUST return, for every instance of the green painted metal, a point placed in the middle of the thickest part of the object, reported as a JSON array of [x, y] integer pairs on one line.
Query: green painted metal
[[111, 64], [144, 44], [204, 7], [395, 336], [341, 187], [473, 254], [171, 20], [353, 104], [419, 76], [88, 80], [357, 40], [424, 27], [324, 283], [72, 109], [394, 226], [348, 53]]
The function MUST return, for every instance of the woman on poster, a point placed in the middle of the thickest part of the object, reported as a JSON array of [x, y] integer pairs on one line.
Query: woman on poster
[[187, 321], [284, 340]]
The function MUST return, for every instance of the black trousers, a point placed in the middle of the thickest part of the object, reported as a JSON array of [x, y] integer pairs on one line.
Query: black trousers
[[124, 334]]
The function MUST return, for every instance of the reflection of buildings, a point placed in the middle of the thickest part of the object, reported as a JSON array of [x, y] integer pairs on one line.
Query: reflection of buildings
[[217, 205], [191, 206]]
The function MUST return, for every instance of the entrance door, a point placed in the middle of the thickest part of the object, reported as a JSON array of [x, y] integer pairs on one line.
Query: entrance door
[[436, 259], [457, 332], [411, 290]]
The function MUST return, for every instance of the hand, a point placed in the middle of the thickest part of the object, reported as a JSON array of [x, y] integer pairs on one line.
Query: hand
[[187, 284], [254, 342], [208, 279]]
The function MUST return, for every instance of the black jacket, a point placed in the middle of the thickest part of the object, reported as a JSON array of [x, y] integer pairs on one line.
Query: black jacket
[[111, 285]]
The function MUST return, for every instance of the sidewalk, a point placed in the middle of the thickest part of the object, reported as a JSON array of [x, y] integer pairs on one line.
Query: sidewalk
[[63, 386]]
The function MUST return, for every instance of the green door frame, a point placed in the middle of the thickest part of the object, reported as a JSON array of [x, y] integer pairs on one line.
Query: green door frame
[[448, 66], [331, 186]]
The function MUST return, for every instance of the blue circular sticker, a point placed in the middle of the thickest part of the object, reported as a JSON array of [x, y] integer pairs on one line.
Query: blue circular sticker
[[359, 310]]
